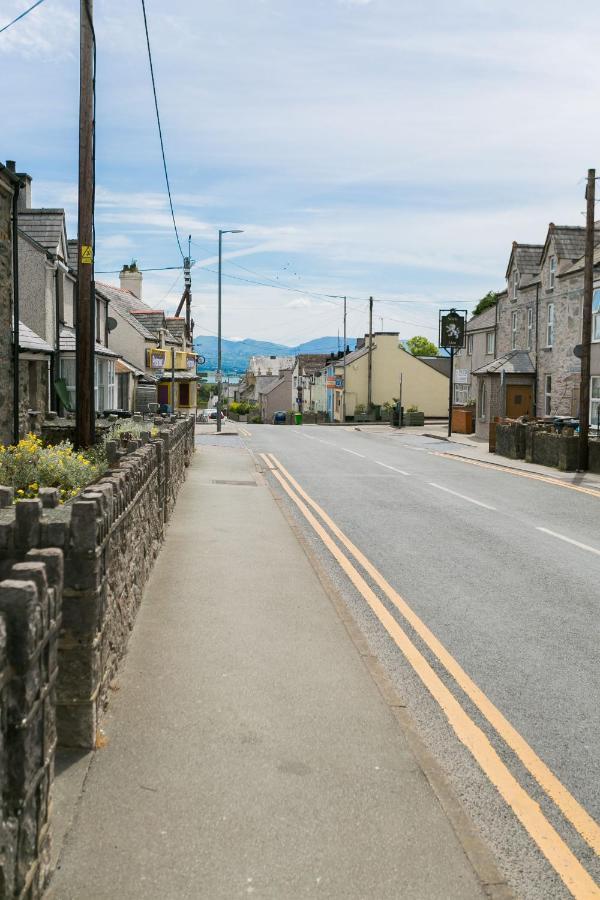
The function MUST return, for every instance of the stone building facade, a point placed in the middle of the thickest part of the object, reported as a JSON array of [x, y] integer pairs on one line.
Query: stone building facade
[[8, 185]]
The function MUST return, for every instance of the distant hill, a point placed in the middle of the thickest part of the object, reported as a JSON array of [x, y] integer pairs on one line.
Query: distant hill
[[235, 354]]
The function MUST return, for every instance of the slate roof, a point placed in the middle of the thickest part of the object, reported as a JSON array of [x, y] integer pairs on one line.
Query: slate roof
[[526, 258], [309, 363], [485, 320], [120, 300], [29, 340], [439, 363], [152, 319], [579, 264], [68, 343], [176, 325], [45, 226], [72, 254], [352, 357], [515, 362]]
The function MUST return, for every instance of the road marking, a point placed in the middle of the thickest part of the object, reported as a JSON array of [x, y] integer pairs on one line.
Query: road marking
[[558, 793], [393, 468], [569, 540], [507, 470], [244, 431], [462, 496], [354, 453], [561, 858]]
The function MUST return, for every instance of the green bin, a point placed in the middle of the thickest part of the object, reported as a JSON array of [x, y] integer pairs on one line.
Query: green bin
[[298, 418]]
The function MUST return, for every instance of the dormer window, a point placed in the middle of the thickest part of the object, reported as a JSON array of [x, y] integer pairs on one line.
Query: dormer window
[[552, 273], [515, 285]]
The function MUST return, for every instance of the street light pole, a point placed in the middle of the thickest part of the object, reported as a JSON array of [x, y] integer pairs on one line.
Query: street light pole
[[222, 231]]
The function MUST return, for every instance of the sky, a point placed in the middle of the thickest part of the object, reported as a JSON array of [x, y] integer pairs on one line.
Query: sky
[[366, 147]]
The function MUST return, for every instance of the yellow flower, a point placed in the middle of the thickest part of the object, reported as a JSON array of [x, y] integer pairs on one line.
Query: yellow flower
[[33, 486], [20, 492]]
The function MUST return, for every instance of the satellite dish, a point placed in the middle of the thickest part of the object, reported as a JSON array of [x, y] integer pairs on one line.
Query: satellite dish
[[111, 323], [578, 351]]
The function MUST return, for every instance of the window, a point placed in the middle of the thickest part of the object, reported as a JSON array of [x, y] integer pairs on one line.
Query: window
[[595, 401], [596, 315], [548, 395], [111, 394], [550, 325], [469, 345], [67, 371], [552, 273], [530, 328], [513, 331], [489, 343], [482, 401], [515, 285], [184, 394], [461, 394]]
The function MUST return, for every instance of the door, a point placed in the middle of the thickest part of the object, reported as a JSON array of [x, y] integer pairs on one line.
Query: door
[[519, 400]]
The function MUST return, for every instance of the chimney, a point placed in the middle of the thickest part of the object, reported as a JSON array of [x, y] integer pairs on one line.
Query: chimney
[[25, 179], [130, 279]]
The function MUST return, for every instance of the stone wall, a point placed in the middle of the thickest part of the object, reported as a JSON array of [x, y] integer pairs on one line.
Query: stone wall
[[6, 299], [110, 535], [30, 616], [517, 440]]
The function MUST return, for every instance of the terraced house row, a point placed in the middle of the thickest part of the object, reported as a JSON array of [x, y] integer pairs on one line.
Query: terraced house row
[[520, 356], [141, 355]]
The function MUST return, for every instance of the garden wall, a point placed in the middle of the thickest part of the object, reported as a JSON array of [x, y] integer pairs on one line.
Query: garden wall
[[30, 618], [545, 448], [110, 535]]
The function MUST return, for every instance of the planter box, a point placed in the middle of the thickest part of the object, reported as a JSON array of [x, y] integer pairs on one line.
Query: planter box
[[414, 418], [463, 420]]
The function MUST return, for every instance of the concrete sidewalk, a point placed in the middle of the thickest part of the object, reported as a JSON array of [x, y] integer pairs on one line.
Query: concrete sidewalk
[[249, 751]]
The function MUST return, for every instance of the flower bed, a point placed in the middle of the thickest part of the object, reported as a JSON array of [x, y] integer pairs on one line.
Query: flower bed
[[31, 465]]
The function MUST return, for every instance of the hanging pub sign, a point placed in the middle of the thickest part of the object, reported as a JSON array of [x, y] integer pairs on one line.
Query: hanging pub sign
[[453, 325]]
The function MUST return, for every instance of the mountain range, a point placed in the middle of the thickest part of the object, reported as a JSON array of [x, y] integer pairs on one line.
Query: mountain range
[[235, 354]]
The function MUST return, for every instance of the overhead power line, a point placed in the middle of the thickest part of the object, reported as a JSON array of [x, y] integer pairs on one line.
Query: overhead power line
[[156, 269], [162, 145], [22, 16]]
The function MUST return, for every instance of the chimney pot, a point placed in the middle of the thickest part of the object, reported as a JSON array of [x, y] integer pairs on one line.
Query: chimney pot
[[130, 279], [11, 165]]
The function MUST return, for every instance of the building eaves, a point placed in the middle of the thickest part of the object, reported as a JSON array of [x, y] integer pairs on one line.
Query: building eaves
[[515, 362], [46, 226], [484, 321], [29, 340], [68, 343], [115, 297]]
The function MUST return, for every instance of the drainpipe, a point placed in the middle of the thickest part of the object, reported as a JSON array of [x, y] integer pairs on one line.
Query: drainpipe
[[537, 329], [15, 237], [55, 359]]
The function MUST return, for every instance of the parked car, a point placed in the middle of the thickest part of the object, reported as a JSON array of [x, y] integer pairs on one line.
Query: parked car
[[280, 417], [207, 415]]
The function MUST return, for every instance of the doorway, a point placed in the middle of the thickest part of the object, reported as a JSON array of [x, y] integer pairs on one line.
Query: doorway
[[519, 400]]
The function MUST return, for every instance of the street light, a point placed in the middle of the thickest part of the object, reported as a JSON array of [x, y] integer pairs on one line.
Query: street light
[[222, 231]]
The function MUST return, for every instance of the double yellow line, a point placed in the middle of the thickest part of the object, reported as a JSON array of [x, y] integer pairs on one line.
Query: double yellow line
[[561, 858]]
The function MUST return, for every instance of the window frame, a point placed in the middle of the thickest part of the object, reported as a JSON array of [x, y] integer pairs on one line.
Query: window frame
[[552, 273], [594, 401], [461, 394], [490, 338], [469, 345], [482, 401], [515, 285], [529, 327], [550, 325], [596, 315], [513, 330], [547, 395]]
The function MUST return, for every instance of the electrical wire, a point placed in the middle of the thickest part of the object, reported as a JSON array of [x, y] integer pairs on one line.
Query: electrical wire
[[160, 134], [156, 269], [22, 16]]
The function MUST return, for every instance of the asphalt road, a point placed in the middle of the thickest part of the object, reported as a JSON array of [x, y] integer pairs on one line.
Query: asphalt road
[[504, 571]]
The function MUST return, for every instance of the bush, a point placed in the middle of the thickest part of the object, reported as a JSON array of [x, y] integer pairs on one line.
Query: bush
[[30, 465]]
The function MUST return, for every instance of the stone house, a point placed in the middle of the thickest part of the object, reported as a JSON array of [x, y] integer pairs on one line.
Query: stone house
[[34, 359], [479, 349], [47, 290], [9, 185], [395, 373], [262, 373]]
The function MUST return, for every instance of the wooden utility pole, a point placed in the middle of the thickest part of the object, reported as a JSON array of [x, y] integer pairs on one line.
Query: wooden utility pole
[[85, 318], [370, 375], [344, 375], [586, 330]]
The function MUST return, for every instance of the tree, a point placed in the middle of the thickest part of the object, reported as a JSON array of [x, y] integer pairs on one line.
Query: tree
[[490, 299], [421, 346]]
